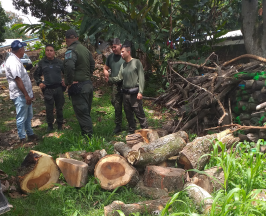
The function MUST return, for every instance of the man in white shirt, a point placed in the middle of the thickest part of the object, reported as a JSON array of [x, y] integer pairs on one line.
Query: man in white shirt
[[20, 90]]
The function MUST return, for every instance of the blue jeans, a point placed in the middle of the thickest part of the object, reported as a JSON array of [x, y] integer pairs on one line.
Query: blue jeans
[[24, 116]]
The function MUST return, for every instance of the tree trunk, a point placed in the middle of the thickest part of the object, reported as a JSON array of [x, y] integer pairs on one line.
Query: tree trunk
[[170, 147], [74, 171], [38, 170], [151, 207], [164, 177], [114, 171], [134, 139], [201, 198], [148, 135], [149, 192], [253, 31], [212, 181], [191, 155], [122, 148]]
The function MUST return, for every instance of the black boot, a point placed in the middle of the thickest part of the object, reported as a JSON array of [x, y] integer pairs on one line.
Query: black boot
[[117, 129], [60, 127], [4, 205], [49, 128]]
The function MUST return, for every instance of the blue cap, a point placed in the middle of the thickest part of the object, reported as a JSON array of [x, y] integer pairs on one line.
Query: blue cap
[[16, 44]]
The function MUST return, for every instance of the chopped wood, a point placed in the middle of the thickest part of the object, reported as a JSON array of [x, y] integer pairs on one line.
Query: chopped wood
[[151, 207], [157, 151], [37, 171], [261, 106], [77, 155], [149, 192], [74, 171], [164, 177], [212, 179], [162, 132], [191, 155], [123, 148], [114, 171], [201, 198], [134, 139], [92, 158]]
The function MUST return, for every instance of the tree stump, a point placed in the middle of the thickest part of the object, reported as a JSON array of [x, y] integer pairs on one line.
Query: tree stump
[[164, 177], [114, 171], [212, 181], [151, 207], [37, 171], [74, 171], [134, 139]]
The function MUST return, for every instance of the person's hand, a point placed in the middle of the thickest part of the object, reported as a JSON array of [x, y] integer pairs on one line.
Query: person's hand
[[75, 82], [63, 83], [42, 85], [106, 77], [28, 100], [139, 96]]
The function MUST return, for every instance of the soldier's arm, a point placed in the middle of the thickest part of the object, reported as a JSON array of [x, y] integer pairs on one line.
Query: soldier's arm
[[106, 73], [37, 74], [69, 66], [92, 64], [118, 78], [141, 77]]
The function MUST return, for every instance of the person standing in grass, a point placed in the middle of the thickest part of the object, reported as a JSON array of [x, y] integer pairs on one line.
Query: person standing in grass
[[132, 74], [53, 86], [78, 67], [20, 90], [114, 62]]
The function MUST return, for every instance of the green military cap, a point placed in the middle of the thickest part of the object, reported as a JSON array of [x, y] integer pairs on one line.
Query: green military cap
[[71, 33]]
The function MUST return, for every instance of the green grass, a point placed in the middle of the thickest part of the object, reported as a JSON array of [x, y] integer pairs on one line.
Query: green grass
[[66, 200]]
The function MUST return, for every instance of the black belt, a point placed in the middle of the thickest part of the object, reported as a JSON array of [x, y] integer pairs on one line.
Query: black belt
[[131, 90], [53, 86]]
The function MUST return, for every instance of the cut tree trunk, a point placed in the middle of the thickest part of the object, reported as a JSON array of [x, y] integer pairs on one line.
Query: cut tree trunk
[[148, 135], [92, 158], [37, 171], [171, 146], [212, 181], [164, 177], [191, 155], [134, 139], [201, 198], [149, 192], [150, 207], [114, 171], [74, 171], [122, 148]]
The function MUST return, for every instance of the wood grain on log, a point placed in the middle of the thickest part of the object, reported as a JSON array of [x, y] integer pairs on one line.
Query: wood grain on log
[[212, 180], [161, 132], [148, 135], [74, 171], [150, 207], [122, 148], [114, 171], [164, 177], [38, 170], [134, 139]]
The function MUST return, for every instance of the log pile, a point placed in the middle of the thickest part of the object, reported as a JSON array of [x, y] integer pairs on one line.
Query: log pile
[[210, 99]]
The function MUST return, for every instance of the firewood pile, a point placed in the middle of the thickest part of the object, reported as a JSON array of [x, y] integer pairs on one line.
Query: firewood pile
[[150, 162], [218, 96]]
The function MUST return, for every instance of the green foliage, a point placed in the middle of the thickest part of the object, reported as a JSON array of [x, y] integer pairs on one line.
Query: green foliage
[[3, 21]]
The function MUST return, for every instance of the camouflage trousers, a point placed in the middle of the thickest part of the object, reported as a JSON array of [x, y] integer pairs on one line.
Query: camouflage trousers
[[54, 97], [117, 102], [134, 106]]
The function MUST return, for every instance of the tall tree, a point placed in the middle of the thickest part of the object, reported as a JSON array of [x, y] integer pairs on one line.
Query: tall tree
[[3, 20]]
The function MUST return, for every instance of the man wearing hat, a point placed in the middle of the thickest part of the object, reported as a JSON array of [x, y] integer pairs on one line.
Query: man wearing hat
[[52, 87], [78, 67], [132, 74], [20, 90], [114, 62]]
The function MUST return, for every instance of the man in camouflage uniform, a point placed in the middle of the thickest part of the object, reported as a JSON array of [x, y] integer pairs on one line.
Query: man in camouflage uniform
[[114, 62], [132, 74], [53, 86], [78, 67]]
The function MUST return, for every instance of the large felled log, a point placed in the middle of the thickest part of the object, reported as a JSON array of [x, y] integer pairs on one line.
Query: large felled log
[[148, 135], [151, 207], [162, 132], [212, 181], [74, 171], [201, 198], [134, 139], [149, 192], [37, 171], [122, 148], [170, 146], [92, 158], [191, 155], [164, 177], [114, 171]]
